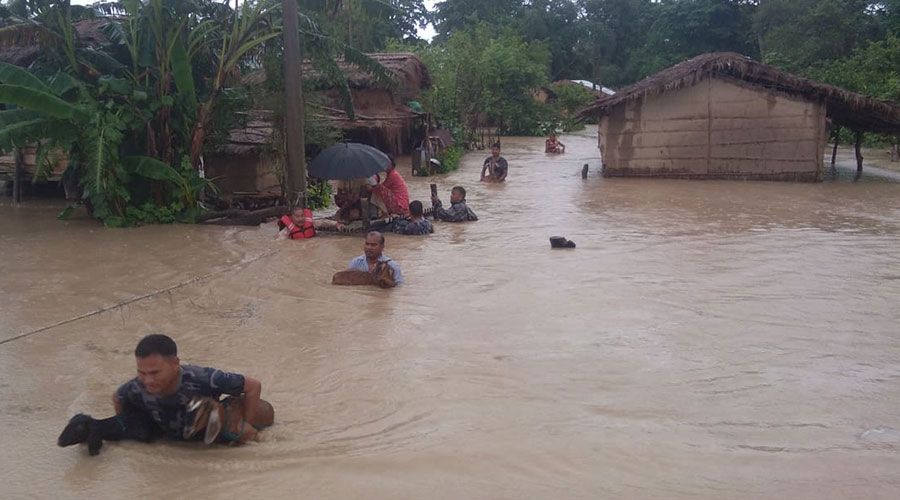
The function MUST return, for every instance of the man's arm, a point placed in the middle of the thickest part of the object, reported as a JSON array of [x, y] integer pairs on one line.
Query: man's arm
[[483, 170], [252, 393], [505, 169], [456, 213]]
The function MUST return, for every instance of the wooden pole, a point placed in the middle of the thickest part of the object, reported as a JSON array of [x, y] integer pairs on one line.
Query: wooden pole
[[295, 160], [895, 151], [584, 171], [17, 177], [859, 156], [837, 139]]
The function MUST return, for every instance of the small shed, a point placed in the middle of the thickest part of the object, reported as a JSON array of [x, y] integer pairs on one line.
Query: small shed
[[726, 116]]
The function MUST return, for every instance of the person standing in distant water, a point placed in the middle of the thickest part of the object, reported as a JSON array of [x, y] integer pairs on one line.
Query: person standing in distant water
[[552, 145], [495, 166], [417, 224], [392, 195]]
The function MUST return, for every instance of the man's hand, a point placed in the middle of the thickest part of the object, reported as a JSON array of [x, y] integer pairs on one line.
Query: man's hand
[[252, 391]]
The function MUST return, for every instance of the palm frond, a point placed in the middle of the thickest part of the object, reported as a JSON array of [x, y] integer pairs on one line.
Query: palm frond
[[14, 75], [42, 102], [151, 168], [184, 79]]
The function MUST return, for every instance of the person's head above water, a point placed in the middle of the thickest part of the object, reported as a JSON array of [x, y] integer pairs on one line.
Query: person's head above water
[[297, 215], [416, 209], [391, 164], [374, 245], [553, 136], [457, 194], [495, 149], [158, 365]]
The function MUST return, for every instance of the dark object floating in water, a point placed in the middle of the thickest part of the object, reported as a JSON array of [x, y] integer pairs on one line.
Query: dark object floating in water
[[561, 242]]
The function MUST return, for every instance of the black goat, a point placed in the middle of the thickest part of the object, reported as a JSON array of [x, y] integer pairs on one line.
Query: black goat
[[85, 429]]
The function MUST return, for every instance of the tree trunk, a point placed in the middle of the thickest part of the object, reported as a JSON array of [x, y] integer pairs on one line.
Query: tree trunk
[[295, 159], [238, 217], [198, 137]]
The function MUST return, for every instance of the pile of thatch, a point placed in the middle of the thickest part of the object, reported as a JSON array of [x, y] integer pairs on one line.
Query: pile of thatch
[[844, 108]]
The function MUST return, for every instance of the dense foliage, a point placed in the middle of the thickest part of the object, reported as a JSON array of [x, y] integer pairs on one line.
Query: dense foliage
[[851, 43]]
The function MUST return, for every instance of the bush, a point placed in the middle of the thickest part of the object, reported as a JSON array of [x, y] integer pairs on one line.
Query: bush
[[318, 194]]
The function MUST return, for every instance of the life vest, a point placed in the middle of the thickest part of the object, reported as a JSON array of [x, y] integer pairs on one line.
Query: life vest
[[306, 230]]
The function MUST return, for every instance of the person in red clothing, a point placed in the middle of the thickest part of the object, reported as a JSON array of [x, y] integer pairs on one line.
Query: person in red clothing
[[392, 195]]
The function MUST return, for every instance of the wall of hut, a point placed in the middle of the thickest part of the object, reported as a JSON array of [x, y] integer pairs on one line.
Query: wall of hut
[[719, 128], [242, 172]]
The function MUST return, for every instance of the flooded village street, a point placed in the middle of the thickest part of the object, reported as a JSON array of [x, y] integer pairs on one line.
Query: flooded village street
[[707, 339]]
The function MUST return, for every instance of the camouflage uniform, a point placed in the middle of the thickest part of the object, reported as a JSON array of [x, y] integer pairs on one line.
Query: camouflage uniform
[[170, 412], [458, 212], [419, 227]]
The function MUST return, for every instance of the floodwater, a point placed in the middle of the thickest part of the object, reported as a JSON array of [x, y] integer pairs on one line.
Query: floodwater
[[704, 340]]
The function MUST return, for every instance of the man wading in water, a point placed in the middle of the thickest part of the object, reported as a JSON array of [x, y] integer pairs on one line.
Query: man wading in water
[[373, 259], [495, 166], [156, 401]]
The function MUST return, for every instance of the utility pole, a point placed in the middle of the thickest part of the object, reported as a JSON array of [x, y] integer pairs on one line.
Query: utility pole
[[295, 147]]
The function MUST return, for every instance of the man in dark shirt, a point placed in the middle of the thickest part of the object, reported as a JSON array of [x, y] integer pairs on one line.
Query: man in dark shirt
[[156, 401], [164, 387], [495, 166], [458, 211]]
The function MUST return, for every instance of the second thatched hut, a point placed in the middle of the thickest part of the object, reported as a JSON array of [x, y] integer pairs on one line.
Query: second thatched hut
[[726, 116]]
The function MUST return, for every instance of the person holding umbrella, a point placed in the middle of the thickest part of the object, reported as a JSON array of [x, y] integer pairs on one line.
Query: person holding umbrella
[[391, 195], [349, 161]]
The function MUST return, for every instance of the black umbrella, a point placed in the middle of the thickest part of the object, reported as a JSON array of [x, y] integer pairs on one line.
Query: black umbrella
[[348, 160]]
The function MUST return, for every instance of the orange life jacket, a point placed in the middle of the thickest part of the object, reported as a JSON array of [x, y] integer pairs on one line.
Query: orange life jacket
[[295, 232]]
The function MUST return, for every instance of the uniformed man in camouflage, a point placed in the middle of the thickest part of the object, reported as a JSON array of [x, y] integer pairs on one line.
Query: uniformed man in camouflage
[[416, 224], [458, 211]]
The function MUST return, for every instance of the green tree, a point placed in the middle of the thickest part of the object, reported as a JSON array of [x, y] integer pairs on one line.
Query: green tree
[[799, 34], [481, 77], [367, 25]]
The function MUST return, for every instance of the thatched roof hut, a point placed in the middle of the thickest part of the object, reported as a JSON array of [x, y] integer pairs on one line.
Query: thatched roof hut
[[724, 115], [844, 108], [382, 116]]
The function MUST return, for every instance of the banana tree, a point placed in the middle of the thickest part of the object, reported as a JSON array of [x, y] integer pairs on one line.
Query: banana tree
[[90, 126]]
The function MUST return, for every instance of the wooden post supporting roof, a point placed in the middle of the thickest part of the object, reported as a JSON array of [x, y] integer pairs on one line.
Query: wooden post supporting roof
[[859, 156], [17, 176]]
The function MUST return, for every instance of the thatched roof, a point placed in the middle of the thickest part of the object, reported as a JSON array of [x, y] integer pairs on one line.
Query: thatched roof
[[844, 108], [255, 136], [406, 68], [407, 71], [26, 48]]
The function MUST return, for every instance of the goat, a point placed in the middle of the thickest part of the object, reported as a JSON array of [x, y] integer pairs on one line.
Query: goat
[[86, 429], [382, 276], [212, 416]]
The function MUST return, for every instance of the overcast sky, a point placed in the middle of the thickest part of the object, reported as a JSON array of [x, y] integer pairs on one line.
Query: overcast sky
[[427, 33]]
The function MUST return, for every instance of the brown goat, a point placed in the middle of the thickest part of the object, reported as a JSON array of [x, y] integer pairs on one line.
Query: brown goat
[[221, 420], [382, 276]]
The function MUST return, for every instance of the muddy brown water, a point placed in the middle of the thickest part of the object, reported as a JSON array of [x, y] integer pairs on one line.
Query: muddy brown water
[[705, 339]]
